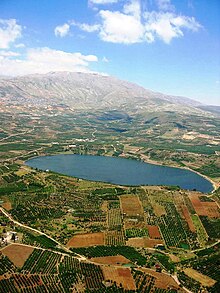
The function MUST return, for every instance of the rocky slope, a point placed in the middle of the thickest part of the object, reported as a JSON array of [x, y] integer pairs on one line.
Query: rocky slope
[[87, 91]]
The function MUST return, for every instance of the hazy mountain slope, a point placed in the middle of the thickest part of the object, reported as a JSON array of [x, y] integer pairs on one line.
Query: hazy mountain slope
[[89, 91]]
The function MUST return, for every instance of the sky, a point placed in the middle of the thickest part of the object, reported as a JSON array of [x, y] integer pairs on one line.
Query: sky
[[169, 46]]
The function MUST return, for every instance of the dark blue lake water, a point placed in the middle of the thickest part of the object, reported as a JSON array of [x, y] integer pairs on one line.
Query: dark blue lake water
[[120, 171]]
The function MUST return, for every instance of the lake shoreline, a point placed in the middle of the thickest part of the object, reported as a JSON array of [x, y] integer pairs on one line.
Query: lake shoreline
[[214, 184], [167, 179]]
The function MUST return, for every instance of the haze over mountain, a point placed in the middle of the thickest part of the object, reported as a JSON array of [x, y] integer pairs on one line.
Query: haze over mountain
[[90, 91]]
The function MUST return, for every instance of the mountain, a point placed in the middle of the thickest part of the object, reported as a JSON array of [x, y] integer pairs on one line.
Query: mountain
[[89, 91]]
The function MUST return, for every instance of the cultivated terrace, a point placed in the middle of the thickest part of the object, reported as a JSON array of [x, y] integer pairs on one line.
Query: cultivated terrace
[[63, 234]]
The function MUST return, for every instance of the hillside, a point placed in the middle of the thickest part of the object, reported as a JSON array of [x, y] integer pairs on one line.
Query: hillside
[[86, 91], [72, 234]]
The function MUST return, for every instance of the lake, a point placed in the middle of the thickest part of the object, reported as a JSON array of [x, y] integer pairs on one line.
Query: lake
[[120, 171]]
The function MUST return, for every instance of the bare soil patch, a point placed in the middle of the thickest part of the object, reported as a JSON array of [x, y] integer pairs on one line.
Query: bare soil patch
[[85, 240], [143, 242], [131, 206], [212, 210], [162, 281], [153, 232], [7, 205], [174, 258], [203, 279], [104, 206], [159, 209], [135, 242], [17, 253], [120, 276], [204, 208], [188, 218]]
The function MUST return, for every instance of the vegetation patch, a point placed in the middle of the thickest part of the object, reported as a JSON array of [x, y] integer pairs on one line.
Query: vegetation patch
[[100, 251]]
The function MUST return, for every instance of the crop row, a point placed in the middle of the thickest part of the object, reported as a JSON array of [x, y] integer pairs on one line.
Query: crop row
[[6, 265], [144, 282], [188, 282], [114, 219], [93, 276], [8, 286], [212, 226], [209, 266], [26, 281], [172, 228], [69, 264], [29, 213], [21, 283], [114, 238], [113, 204], [135, 232], [40, 241], [42, 261]]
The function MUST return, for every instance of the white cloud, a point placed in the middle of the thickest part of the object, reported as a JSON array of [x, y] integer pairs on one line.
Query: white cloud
[[43, 60], [87, 27], [149, 37], [120, 28], [132, 25], [103, 1], [9, 32], [187, 22], [133, 8], [8, 54], [20, 45], [167, 26], [165, 5], [62, 30], [124, 27]]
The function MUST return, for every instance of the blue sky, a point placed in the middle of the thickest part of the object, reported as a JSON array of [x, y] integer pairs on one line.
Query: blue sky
[[171, 46]]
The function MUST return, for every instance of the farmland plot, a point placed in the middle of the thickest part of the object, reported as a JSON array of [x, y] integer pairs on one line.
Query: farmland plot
[[114, 238], [204, 208], [84, 240], [111, 260], [131, 206], [114, 220], [17, 253], [120, 276], [154, 232]]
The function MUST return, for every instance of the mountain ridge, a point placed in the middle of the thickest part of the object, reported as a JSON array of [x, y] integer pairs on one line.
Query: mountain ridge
[[89, 91]]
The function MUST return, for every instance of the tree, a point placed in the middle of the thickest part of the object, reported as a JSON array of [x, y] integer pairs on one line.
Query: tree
[[13, 237]]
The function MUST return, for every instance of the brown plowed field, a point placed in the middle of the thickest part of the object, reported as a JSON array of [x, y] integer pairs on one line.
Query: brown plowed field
[[153, 232], [85, 240], [203, 279], [120, 276], [131, 206], [17, 253], [204, 208], [111, 260], [162, 281], [188, 219]]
